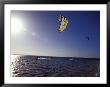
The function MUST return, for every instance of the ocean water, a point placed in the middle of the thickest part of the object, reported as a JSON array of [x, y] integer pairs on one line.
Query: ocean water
[[36, 66]]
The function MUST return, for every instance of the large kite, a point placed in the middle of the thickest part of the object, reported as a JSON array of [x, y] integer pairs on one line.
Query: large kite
[[63, 23]]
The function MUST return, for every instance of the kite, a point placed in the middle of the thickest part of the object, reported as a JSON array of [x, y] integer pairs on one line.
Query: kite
[[88, 38], [63, 23]]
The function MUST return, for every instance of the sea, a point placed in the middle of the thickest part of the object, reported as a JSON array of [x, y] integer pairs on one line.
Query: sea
[[47, 66]]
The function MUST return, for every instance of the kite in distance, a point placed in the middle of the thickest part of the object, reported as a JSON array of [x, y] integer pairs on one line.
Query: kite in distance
[[63, 23], [88, 38]]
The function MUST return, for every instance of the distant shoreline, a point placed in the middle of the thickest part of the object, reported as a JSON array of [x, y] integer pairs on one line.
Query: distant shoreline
[[56, 56]]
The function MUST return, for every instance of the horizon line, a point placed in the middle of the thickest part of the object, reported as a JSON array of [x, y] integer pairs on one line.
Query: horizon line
[[56, 56]]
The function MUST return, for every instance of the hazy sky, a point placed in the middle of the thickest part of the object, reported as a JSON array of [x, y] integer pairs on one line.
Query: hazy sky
[[35, 33]]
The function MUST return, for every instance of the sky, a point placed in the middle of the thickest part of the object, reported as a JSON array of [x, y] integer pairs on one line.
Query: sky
[[35, 33]]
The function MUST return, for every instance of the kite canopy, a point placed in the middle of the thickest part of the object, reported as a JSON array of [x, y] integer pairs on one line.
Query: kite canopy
[[63, 23]]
